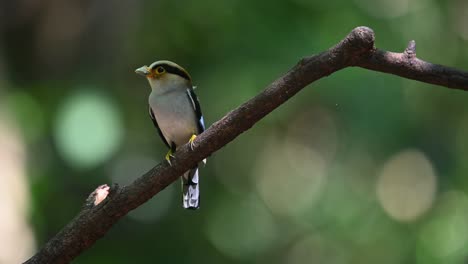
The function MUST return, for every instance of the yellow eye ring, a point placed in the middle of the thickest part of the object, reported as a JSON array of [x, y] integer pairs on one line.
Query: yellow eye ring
[[160, 70]]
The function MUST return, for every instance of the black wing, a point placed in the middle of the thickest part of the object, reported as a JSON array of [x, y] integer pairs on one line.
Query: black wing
[[155, 123], [196, 106]]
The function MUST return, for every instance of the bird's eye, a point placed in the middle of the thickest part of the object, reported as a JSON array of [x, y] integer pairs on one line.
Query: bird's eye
[[160, 70]]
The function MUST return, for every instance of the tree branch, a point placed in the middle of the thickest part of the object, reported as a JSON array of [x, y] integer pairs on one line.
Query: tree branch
[[407, 65], [105, 207]]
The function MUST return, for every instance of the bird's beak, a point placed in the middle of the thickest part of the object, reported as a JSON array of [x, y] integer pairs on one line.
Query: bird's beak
[[143, 71]]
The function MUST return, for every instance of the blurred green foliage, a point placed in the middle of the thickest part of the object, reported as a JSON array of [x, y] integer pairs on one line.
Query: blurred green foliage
[[319, 180]]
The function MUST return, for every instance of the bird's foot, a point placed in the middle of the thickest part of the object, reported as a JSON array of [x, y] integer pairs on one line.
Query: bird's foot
[[169, 156], [192, 138]]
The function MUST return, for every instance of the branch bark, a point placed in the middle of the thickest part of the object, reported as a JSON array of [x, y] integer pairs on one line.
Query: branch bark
[[105, 207]]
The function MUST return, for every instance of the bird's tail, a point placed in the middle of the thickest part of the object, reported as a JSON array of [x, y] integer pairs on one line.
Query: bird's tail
[[191, 189]]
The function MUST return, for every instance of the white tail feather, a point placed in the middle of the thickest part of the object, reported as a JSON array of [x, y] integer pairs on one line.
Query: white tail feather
[[191, 189]]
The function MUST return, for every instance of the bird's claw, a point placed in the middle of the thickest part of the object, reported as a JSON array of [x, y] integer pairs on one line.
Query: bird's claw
[[192, 138], [169, 156], [192, 145]]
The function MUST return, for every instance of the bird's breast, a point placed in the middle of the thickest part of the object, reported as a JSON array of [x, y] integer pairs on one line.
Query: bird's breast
[[175, 116]]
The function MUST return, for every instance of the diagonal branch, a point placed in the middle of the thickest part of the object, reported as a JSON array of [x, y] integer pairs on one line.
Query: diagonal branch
[[356, 49]]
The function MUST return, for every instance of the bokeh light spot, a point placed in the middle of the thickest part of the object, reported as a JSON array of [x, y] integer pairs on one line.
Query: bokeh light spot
[[241, 228], [17, 237], [289, 177], [406, 185], [88, 129], [291, 171]]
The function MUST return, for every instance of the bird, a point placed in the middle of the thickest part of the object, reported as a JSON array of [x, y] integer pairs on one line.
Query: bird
[[176, 113]]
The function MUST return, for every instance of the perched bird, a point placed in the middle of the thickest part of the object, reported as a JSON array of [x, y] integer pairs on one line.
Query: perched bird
[[176, 113]]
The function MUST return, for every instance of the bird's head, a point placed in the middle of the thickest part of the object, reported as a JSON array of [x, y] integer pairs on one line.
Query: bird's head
[[163, 73]]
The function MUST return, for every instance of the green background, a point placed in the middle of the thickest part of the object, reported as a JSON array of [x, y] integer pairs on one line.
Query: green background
[[359, 167]]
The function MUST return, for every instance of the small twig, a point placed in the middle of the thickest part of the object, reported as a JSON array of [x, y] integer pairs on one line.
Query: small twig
[[410, 50], [357, 49]]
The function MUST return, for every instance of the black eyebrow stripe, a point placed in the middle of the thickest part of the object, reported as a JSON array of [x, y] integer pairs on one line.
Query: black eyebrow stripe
[[173, 70]]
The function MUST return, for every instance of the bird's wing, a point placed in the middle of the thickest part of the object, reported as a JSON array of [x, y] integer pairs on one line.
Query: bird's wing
[[196, 107], [155, 123]]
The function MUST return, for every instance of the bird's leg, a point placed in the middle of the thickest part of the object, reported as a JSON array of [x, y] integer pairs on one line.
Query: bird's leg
[[169, 154], [192, 138]]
